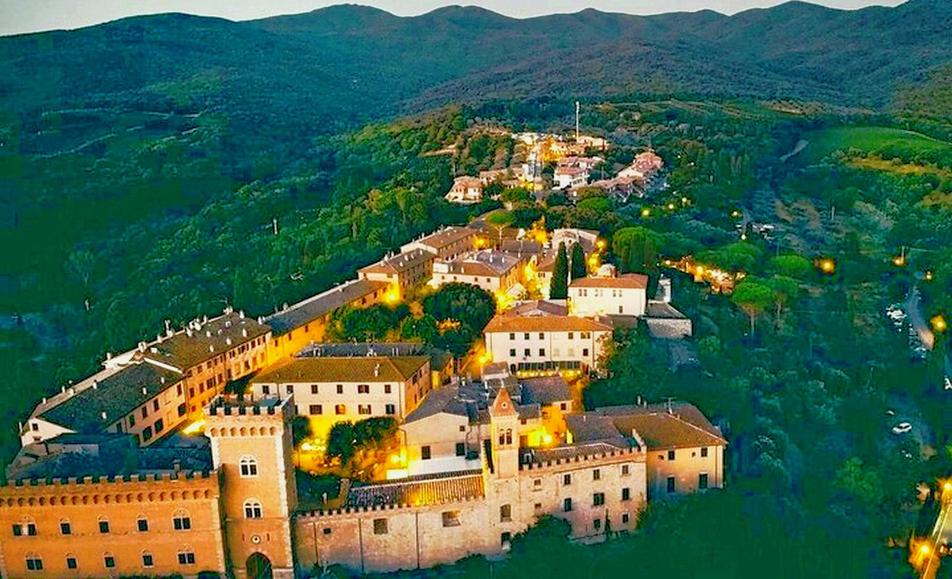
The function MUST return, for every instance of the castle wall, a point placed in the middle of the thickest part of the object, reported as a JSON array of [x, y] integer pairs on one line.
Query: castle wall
[[83, 503]]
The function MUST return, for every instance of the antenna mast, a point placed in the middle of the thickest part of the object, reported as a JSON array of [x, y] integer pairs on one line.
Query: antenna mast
[[577, 111]]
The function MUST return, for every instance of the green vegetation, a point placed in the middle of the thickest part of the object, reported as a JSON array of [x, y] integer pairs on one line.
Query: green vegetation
[[461, 311], [349, 440], [559, 286], [886, 142], [579, 265]]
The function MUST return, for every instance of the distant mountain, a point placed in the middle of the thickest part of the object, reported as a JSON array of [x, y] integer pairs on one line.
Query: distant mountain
[[344, 64]]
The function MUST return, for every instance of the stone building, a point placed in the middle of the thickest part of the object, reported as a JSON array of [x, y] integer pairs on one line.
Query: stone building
[[491, 270], [447, 243], [402, 271]]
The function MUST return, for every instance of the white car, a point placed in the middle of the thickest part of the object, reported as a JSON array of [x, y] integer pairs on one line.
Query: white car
[[948, 383], [902, 428]]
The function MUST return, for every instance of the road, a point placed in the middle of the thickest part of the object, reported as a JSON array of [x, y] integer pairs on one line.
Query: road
[[941, 532], [918, 321]]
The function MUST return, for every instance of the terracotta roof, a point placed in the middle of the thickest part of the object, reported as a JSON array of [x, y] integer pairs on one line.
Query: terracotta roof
[[116, 394], [444, 237], [208, 340], [399, 263], [503, 404], [520, 247], [550, 323], [537, 308], [314, 307], [571, 451], [680, 425], [626, 281], [343, 369], [481, 263], [446, 488]]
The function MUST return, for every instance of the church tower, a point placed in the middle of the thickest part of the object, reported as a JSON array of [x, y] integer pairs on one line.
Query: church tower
[[504, 429], [252, 447]]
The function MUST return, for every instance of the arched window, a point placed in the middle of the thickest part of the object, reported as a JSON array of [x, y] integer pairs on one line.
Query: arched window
[[71, 562], [148, 561], [186, 556], [33, 562], [181, 521], [26, 527], [109, 560], [248, 466], [103, 525], [508, 436], [252, 509]]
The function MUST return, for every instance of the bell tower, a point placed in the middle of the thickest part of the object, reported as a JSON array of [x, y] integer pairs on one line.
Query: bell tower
[[504, 429], [252, 447]]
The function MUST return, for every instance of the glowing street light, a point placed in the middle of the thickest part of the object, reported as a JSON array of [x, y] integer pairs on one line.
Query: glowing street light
[[928, 275], [646, 212], [939, 324], [827, 265]]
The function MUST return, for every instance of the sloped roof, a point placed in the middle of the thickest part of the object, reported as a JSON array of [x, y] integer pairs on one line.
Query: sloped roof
[[625, 281], [445, 236], [426, 490], [545, 390], [399, 263], [188, 348], [314, 307], [592, 427], [507, 323], [344, 369], [663, 426], [115, 394]]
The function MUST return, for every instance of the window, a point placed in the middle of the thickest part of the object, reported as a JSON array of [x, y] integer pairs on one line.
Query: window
[[670, 455], [340, 388], [566, 479], [671, 484], [159, 425], [542, 351], [387, 388], [390, 409], [109, 561], [182, 409], [704, 452], [71, 562], [315, 409], [512, 336], [597, 524], [142, 524], [460, 449], [625, 518], [597, 474], [146, 434], [265, 389], [512, 352], [451, 519], [340, 409], [567, 505], [252, 509], [66, 528], [147, 560], [248, 466], [363, 389], [626, 494], [527, 352], [363, 409], [145, 412], [525, 336], [505, 513], [186, 558], [702, 481], [585, 352], [571, 335], [289, 388], [103, 526], [314, 389], [33, 562], [155, 405], [327, 530], [598, 499], [181, 521], [380, 527], [425, 452]]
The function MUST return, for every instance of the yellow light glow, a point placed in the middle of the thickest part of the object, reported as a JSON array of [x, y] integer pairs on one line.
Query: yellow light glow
[[925, 549], [600, 244], [899, 261], [194, 428], [393, 295], [928, 276], [735, 214], [685, 200], [939, 324], [699, 270], [947, 486], [826, 265], [546, 439], [646, 212], [670, 206]]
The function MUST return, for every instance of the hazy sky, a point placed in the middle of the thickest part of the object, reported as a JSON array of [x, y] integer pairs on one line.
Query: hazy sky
[[32, 15]]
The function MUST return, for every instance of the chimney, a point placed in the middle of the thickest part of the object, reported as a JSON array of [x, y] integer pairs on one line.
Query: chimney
[[208, 333], [142, 346], [44, 400], [145, 391], [227, 341], [377, 370], [188, 332], [103, 414], [211, 348], [72, 391], [63, 390], [205, 319], [154, 350], [241, 314], [244, 332], [109, 355], [95, 384], [162, 380]]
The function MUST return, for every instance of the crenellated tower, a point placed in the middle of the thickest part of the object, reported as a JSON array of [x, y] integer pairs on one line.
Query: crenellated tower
[[252, 446]]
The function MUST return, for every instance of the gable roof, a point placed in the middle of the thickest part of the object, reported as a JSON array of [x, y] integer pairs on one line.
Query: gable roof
[[344, 369], [113, 393], [503, 404], [452, 487], [205, 340], [444, 237], [663, 426], [545, 390], [400, 262], [319, 305], [551, 323]]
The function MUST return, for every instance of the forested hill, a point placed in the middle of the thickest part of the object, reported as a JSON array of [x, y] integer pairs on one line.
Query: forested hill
[[346, 63]]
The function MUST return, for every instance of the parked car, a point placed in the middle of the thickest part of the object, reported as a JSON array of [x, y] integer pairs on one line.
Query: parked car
[[902, 428]]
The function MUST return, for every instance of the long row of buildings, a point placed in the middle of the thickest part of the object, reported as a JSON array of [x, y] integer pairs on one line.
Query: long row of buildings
[[109, 481]]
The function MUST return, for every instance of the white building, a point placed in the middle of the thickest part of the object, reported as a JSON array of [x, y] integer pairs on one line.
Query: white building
[[545, 340], [466, 191], [624, 295], [494, 271]]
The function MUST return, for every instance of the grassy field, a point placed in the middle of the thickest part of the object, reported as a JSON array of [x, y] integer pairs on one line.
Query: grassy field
[[886, 141]]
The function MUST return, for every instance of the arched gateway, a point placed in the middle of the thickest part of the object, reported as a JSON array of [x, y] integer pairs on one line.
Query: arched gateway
[[258, 567]]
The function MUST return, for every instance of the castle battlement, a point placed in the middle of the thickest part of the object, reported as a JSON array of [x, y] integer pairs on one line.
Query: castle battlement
[[571, 455], [135, 488], [394, 508]]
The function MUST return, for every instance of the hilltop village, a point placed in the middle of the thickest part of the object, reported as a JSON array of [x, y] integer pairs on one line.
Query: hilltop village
[[192, 451]]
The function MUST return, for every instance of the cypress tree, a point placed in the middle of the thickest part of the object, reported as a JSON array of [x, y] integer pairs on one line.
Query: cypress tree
[[559, 289], [579, 269]]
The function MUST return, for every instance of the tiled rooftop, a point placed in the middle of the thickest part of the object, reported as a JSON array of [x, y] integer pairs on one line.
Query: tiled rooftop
[[663, 426], [344, 369], [204, 340], [625, 281], [314, 307], [426, 490]]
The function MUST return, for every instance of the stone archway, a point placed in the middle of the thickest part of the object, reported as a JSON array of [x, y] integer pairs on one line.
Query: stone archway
[[258, 567]]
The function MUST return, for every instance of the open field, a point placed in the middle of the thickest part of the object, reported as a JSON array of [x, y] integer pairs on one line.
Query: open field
[[886, 141]]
